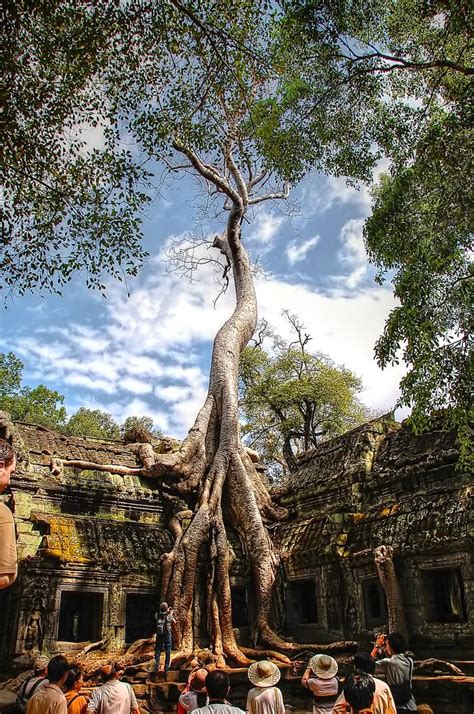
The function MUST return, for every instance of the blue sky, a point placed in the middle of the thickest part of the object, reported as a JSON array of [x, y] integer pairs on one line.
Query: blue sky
[[149, 353]]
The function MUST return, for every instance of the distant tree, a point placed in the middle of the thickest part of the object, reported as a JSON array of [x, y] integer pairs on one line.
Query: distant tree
[[93, 422], [291, 399], [143, 422], [38, 405]]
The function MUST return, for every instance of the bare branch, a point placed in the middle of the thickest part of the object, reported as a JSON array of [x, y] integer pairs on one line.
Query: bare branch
[[208, 172], [278, 195]]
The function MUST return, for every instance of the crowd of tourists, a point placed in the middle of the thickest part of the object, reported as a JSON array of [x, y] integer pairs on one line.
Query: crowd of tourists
[[55, 686]]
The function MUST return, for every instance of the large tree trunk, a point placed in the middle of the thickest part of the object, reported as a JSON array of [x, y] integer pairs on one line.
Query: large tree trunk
[[383, 557]]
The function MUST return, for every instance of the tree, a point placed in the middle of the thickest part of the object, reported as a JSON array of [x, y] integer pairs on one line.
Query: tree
[[405, 68], [291, 399], [420, 233], [38, 405], [93, 423], [143, 422]]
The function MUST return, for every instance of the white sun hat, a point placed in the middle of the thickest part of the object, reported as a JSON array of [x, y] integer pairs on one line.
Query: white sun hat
[[264, 673], [323, 666]]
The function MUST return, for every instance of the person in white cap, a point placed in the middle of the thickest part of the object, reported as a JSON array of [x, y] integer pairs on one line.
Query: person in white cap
[[320, 678], [264, 698], [32, 684]]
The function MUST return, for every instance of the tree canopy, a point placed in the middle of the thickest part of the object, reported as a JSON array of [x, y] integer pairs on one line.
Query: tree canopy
[[39, 405], [292, 398]]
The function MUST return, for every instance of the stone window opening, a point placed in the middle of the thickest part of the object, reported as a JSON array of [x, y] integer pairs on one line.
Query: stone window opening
[[444, 595], [301, 608], [239, 599], [139, 616], [375, 603], [80, 616]]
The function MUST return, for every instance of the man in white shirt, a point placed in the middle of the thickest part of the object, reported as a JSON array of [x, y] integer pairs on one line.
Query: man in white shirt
[[113, 697], [218, 686]]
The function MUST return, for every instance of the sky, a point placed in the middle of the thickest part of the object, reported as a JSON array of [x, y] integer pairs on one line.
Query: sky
[[148, 353]]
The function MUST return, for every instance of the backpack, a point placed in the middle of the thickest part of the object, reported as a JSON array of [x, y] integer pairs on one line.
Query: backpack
[[22, 698], [161, 628]]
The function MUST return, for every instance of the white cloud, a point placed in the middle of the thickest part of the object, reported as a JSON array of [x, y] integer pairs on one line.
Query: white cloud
[[264, 228], [296, 253], [352, 254]]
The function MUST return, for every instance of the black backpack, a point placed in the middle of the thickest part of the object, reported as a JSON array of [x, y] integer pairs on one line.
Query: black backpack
[[161, 628]]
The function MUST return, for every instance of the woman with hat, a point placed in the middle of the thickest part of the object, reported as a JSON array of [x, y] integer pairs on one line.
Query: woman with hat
[[264, 698], [320, 678]]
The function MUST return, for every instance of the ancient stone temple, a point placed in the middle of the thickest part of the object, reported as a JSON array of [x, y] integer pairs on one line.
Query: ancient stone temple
[[380, 536]]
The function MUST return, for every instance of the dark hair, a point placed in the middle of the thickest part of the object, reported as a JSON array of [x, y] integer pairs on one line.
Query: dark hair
[[7, 452], [75, 673], [359, 690], [217, 684], [164, 607], [57, 668], [364, 662], [397, 642]]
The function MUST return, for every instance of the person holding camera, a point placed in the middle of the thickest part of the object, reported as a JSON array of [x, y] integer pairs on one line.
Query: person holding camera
[[164, 638], [397, 668]]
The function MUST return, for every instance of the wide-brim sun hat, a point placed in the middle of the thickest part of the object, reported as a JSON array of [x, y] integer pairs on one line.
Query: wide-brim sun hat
[[264, 673], [323, 666]]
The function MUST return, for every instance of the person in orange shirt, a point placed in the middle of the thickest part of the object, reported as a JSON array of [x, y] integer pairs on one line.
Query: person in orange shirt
[[8, 556], [383, 700], [76, 702]]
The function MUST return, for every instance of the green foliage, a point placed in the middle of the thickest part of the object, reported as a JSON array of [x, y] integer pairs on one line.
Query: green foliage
[[38, 405], [420, 234], [292, 399], [69, 204], [143, 422], [94, 423]]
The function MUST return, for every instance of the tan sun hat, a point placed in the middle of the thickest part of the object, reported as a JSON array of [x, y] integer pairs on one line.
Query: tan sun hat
[[323, 666], [264, 673], [41, 662]]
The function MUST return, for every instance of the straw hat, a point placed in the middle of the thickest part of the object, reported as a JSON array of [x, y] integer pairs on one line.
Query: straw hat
[[264, 673], [323, 666], [41, 662]]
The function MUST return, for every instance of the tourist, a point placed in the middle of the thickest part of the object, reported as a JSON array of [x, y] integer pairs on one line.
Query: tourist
[[320, 678], [397, 668], [264, 698], [359, 689], [113, 697], [218, 686], [76, 702], [194, 696], [8, 555], [50, 698], [383, 699], [164, 640], [33, 683]]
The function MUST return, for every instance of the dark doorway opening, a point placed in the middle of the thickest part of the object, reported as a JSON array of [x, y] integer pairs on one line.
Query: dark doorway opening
[[139, 616], [444, 595], [80, 616], [240, 615], [375, 603], [301, 605]]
